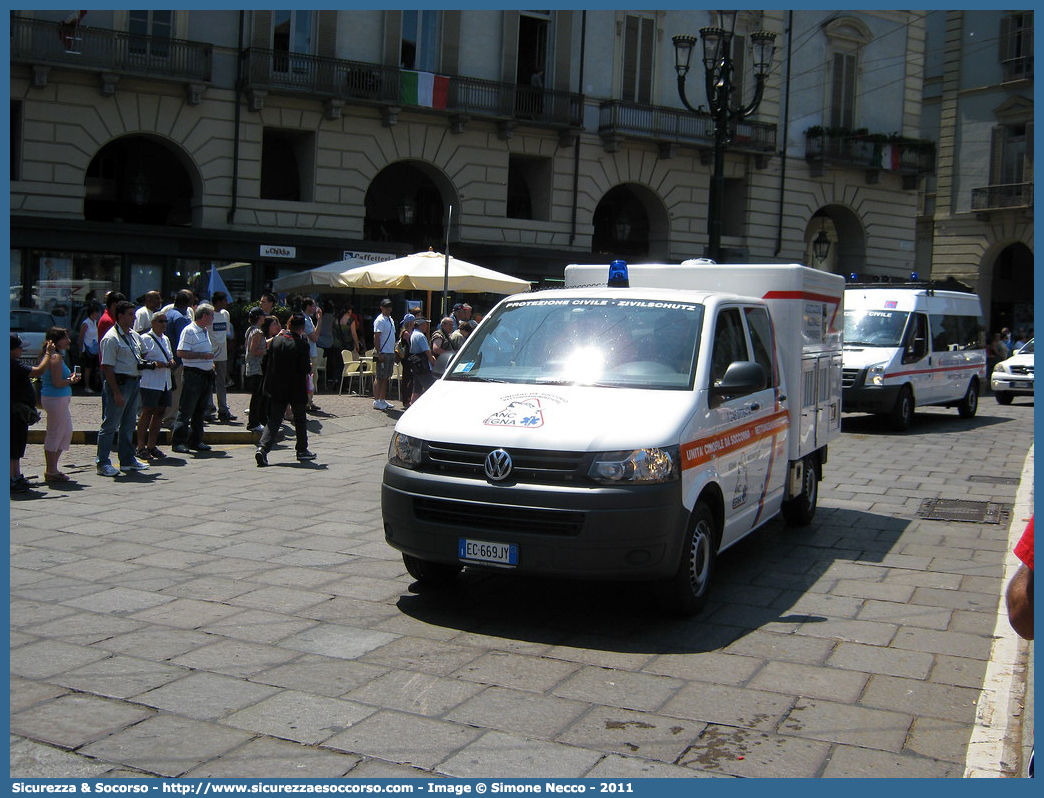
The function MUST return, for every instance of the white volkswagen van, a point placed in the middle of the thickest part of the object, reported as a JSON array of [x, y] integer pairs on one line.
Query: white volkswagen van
[[910, 345], [631, 433]]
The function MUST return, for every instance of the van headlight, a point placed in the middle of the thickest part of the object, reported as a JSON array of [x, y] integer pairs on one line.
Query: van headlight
[[405, 451], [875, 375], [1002, 368], [648, 466]]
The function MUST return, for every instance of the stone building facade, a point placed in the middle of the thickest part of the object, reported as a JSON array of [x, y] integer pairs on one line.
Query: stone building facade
[[147, 145], [976, 224]]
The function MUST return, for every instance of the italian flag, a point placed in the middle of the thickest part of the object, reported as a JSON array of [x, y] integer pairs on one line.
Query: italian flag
[[423, 88], [887, 157]]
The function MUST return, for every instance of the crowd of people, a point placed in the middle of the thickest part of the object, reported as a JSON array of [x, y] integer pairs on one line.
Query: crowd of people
[[167, 366], [1003, 344]]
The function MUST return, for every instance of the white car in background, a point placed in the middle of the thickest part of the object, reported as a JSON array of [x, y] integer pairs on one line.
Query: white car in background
[[32, 327], [1014, 376]]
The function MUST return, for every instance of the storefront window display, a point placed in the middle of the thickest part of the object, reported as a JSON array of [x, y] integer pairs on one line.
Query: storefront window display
[[16, 278], [62, 283]]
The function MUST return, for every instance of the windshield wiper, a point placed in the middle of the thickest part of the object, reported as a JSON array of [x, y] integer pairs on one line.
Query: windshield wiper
[[470, 378]]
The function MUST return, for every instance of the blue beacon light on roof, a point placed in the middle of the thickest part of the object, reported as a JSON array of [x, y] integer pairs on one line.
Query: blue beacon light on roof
[[618, 275]]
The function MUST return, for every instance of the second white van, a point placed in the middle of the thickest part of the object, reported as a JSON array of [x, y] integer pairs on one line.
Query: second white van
[[910, 346]]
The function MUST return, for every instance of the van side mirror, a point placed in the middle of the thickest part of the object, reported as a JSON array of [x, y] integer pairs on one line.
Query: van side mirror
[[741, 377]]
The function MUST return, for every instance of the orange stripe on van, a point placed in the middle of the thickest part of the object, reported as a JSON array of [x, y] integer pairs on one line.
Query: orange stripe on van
[[702, 450]]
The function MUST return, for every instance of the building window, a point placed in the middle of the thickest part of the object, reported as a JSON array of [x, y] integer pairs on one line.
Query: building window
[[420, 40], [16, 140], [291, 33], [846, 36], [843, 91], [1008, 161], [533, 34], [150, 33], [639, 38], [529, 188], [1016, 45], [287, 165]]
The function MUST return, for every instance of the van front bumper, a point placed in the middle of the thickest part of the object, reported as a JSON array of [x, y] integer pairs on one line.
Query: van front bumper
[[872, 399], [624, 532]]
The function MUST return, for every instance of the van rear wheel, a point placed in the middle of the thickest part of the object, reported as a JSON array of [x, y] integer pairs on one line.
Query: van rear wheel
[[800, 510], [430, 573], [902, 413], [685, 593], [970, 403]]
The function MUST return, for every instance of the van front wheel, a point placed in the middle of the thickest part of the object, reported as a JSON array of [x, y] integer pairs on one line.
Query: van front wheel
[[1004, 397], [902, 413], [970, 403], [685, 593], [430, 573]]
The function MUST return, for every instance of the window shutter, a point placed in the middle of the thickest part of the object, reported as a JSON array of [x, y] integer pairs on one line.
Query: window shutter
[[1005, 49], [849, 91], [262, 30], [645, 63], [836, 94], [996, 154], [326, 36], [630, 58], [1027, 170]]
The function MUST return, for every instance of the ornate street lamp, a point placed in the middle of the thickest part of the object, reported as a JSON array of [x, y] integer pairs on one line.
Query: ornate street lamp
[[717, 66], [821, 246]]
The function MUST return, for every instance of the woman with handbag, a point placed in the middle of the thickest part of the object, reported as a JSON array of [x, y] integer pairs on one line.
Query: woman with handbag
[[23, 409], [55, 395]]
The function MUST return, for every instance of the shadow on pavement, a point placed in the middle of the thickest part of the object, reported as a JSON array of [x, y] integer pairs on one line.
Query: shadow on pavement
[[757, 582], [926, 421]]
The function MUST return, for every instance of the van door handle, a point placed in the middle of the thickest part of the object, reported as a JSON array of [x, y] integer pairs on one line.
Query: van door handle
[[754, 406]]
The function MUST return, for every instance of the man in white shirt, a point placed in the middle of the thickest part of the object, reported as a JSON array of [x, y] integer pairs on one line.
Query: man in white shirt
[[311, 331], [143, 315], [179, 316], [220, 333], [196, 351], [384, 354], [121, 353]]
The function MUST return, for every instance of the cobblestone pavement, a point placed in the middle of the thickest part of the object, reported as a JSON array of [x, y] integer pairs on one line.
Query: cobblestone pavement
[[209, 618]]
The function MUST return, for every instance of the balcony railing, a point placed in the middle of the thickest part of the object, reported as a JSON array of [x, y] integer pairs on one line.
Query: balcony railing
[[354, 81], [660, 123], [35, 41], [901, 157], [1010, 195]]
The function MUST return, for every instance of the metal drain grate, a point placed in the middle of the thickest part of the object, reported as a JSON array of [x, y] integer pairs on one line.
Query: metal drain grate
[[991, 480], [963, 510]]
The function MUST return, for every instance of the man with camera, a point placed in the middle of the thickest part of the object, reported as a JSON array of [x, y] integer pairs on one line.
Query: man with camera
[[197, 356], [122, 360]]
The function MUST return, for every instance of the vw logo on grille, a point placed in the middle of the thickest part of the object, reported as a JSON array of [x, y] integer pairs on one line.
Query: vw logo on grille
[[498, 465]]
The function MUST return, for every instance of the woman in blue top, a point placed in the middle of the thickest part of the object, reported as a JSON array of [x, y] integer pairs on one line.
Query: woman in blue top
[[55, 394]]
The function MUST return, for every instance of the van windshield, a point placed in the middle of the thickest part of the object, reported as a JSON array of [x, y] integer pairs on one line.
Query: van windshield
[[875, 327], [614, 343]]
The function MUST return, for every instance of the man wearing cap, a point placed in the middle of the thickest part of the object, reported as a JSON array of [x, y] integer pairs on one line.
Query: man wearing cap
[[422, 360], [384, 354]]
